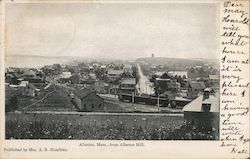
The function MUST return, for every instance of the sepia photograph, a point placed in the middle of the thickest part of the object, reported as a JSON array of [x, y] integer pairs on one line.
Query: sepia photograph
[[112, 71]]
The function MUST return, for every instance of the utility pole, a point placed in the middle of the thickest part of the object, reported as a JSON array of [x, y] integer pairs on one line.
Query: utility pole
[[133, 99], [158, 103]]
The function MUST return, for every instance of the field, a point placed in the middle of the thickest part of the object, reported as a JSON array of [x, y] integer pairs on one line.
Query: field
[[89, 126], [110, 126]]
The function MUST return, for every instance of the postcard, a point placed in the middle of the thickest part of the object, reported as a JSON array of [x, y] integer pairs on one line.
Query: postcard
[[124, 79]]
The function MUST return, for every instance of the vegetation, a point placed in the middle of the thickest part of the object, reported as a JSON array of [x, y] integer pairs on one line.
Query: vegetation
[[11, 104], [97, 129]]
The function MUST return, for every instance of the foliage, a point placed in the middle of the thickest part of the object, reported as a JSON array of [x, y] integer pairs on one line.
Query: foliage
[[56, 129], [11, 104]]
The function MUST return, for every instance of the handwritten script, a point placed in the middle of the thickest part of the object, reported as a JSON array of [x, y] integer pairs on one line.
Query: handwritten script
[[235, 77]]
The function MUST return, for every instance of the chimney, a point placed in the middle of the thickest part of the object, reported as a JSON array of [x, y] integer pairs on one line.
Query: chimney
[[206, 93]]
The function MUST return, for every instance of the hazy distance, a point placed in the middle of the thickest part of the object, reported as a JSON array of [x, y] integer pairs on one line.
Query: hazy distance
[[113, 30]]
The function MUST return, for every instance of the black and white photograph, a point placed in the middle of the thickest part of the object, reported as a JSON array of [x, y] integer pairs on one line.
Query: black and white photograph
[[112, 71]]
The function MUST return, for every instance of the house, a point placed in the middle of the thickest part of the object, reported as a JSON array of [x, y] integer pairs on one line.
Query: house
[[166, 83], [29, 74], [194, 88], [103, 67], [182, 74], [92, 76], [159, 74], [24, 83], [113, 89], [203, 112], [204, 80], [65, 77], [74, 79], [128, 68], [179, 102], [214, 81], [114, 74], [101, 87], [127, 85], [28, 89], [87, 100]]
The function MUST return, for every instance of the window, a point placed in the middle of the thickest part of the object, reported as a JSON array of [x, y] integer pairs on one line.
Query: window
[[100, 105], [84, 106], [92, 106]]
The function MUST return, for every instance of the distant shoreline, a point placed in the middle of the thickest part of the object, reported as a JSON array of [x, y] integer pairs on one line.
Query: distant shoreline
[[34, 61]]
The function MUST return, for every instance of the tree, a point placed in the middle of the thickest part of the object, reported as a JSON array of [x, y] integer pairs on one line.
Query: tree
[[11, 104]]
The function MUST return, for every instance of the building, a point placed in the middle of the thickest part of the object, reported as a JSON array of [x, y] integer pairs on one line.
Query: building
[[166, 83], [127, 68], [65, 77], [114, 74], [182, 74], [204, 80], [127, 85], [195, 88], [179, 102], [87, 100], [159, 74], [28, 89], [101, 87], [203, 112], [214, 81], [29, 74]]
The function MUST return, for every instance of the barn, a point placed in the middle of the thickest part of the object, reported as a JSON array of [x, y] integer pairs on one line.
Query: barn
[[203, 112], [87, 100]]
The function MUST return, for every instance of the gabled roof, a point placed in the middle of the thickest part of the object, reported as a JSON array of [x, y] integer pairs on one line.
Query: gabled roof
[[82, 93], [116, 72], [196, 105], [159, 73], [197, 85], [165, 76], [128, 81]]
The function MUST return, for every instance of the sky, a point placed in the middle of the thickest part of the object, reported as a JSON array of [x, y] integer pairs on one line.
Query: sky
[[113, 30]]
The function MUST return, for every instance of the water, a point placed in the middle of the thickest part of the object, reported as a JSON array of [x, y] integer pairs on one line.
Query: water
[[34, 61]]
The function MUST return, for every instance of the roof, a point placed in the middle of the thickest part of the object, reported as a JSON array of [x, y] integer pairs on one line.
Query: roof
[[24, 83], [197, 85], [159, 73], [66, 75], [29, 73], [82, 93], [216, 77], [117, 72], [127, 66], [162, 79], [181, 99], [103, 66], [128, 81], [196, 105], [178, 73]]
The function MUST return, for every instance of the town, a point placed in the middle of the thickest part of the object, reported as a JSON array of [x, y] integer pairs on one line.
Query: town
[[151, 85]]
